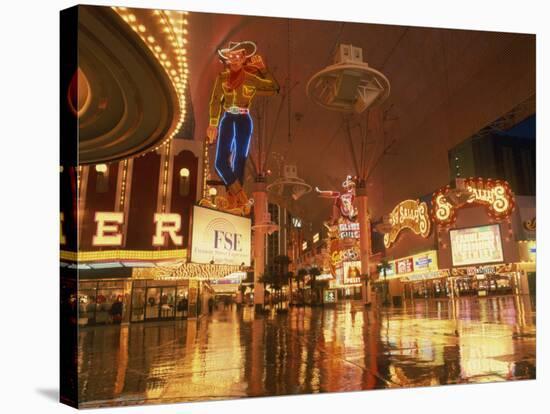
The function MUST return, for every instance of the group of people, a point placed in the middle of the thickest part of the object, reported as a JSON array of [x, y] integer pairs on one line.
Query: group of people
[[214, 302], [111, 312], [103, 311]]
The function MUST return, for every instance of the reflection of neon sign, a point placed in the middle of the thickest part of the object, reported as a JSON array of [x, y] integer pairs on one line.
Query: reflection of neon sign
[[496, 195], [409, 214]]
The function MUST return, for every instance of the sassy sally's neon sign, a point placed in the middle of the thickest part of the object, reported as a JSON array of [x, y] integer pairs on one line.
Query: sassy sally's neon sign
[[409, 214], [495, 195]]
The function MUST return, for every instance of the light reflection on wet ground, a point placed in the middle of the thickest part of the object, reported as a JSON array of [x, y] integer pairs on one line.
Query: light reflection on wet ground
[[343, 348]]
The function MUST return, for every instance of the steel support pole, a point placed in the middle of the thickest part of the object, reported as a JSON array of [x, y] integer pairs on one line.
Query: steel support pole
[[259, 195], [364, 242]]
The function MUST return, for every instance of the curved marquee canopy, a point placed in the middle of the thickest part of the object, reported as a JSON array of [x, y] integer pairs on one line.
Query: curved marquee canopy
[[128, 99]]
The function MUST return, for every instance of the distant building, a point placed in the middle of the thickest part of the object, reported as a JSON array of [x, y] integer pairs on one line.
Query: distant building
[[276, 243], [507, 155]]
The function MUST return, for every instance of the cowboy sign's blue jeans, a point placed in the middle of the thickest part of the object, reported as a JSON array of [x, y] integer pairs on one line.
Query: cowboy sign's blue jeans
[[234, 135]]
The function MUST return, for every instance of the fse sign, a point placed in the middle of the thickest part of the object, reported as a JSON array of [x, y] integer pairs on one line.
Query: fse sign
[[220, 237]]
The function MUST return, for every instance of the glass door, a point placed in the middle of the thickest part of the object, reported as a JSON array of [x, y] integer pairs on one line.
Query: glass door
[[138, 304], [168, 302], [152, 303], [182, 302], [87, 293]]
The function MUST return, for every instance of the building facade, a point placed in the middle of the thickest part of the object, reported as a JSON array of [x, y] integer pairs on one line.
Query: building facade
[[134, 221]]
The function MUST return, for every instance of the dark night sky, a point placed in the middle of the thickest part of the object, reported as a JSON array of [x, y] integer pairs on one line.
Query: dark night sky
[[524, 129]]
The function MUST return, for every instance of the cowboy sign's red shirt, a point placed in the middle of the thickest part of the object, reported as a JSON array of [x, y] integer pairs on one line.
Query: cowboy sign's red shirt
[[247, 85]]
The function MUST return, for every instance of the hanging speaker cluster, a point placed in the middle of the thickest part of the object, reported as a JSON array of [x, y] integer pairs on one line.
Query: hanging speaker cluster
[[349, 84], [289, 185]]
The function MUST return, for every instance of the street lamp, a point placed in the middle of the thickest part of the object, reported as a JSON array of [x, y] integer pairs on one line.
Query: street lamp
[[184, 182], [212, 193]]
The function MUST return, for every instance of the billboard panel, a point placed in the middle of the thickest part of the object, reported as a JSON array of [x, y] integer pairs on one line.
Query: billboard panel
[[220, 237], [476, 245], [352, 272]]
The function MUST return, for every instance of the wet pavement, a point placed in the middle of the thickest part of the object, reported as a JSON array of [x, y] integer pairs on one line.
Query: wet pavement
[[309, 350]]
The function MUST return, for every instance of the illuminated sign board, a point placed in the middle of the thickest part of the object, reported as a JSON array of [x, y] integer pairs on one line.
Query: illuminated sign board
[[389, 272], [109, 229], [476, 245], [348, 230], [409, 214], [232, 278], [337, 257], [422, 263], [495, 195], [527, 251], [404, 265], [352, 272], [329, 296], [220, 237]]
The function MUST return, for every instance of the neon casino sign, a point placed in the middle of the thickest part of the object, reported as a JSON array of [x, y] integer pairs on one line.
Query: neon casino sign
[[495, 195], [409, 214], [348, 230]]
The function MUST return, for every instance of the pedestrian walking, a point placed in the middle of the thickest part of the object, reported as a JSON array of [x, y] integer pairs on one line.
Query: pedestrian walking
[[183, 306], [116, 310]]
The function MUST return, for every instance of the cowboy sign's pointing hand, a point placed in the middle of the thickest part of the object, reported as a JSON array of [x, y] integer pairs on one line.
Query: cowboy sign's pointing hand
[[257, 62]]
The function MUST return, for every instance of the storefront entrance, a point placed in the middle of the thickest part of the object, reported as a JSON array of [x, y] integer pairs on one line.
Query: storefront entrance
[[488, 284], [160, 303], [96, 299], [425, 289], [154, 300]]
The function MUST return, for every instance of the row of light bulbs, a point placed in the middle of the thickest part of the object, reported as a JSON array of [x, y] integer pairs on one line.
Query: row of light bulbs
[[102, 169], [173, 28]]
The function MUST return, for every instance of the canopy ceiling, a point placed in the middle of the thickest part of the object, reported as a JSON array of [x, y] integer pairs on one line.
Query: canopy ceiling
[[445, 86]]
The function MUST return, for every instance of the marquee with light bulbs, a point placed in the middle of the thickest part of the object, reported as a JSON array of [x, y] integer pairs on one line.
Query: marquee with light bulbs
[[165, 33]]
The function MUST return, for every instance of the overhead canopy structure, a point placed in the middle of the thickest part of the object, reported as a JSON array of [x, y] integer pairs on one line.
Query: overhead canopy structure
[[446, 85], [132, 93]]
